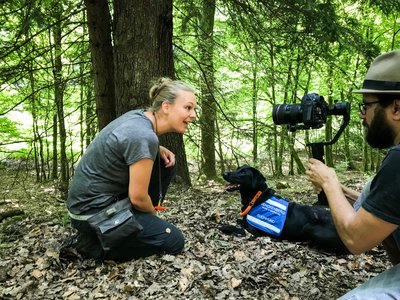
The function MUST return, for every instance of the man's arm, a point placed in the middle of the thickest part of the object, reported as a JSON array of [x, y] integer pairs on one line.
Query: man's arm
[[360, 231], [350, 194]]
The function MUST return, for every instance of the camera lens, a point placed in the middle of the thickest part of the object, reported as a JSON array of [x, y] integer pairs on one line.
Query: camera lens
[[287, 114]]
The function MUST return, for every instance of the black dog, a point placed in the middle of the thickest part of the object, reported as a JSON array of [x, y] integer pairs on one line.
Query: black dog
[[304, 223]]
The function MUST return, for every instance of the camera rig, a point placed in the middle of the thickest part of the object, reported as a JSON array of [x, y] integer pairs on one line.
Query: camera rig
[[312, 113]]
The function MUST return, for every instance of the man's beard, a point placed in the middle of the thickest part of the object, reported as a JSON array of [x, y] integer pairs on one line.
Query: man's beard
[[379, 134]]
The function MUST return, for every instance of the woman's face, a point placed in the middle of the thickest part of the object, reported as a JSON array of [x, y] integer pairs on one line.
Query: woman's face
[[182, 111]]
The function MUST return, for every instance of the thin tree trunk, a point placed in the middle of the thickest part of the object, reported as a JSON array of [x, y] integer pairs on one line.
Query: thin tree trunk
[[220, 151], [89, 118], [34, 128], [59, 100], [328, 124], [207, 119], [254, 112], [54, 171]]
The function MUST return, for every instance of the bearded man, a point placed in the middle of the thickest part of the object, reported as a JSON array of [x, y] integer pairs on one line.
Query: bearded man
[[374, 217]]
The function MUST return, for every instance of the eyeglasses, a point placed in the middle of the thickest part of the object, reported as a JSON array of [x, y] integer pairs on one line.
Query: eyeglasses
[[362, 106]]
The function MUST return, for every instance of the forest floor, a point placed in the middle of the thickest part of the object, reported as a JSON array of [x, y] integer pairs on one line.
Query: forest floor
[[213, 265]]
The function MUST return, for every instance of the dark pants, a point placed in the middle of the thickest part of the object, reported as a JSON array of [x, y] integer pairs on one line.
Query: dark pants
[[163, 173], [157, 237], [392, 249]]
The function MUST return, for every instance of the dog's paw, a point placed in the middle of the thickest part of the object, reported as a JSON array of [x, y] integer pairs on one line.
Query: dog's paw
[[230, 229]]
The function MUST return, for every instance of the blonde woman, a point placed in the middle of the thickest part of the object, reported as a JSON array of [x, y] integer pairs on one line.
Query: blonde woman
[[125, 161]]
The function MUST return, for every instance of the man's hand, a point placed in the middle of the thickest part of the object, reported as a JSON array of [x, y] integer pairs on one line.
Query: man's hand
[[167, 156], [316, 188], [320, 175]]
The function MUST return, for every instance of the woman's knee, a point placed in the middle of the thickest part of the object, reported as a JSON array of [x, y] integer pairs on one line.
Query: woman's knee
[[175, 241]]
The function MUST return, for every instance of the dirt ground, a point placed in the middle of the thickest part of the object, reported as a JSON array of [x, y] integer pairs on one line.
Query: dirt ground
[[213, 265]]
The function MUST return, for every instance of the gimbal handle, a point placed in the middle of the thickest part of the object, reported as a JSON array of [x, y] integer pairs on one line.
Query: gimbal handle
[[317, 151]]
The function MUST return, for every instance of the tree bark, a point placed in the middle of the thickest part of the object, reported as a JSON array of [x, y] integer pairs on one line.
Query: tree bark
[[207, 119], [143, 49], [142, 53], [99, 24], [59, 101]]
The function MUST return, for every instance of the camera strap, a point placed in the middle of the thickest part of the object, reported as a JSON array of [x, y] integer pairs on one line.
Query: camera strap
[[159, 206]]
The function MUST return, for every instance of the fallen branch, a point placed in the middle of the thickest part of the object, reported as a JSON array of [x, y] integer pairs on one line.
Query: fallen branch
[[10, 213]]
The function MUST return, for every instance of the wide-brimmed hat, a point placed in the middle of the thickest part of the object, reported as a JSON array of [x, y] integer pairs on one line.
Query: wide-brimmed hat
[[383, 76]]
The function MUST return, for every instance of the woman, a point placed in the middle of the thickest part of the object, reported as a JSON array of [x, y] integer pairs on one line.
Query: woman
[[125, 161]]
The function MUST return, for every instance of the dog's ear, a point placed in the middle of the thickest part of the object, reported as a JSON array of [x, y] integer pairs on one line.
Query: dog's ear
[[270, 192], [242, 167], [258, 178]]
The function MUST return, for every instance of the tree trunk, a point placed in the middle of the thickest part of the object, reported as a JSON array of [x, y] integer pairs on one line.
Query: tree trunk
[[279, 150], [35, 124], [142, 53], [220, 151], [59, 100], [254, 109], [328, 125], [54, 170], [99, 24], [142, 49], [365, 157], [207, 118]]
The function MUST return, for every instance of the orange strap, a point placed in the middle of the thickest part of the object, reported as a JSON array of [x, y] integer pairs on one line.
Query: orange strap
[[160, 206], [250, 206]]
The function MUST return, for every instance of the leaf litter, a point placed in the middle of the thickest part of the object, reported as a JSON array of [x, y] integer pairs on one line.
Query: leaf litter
[[213, 265]]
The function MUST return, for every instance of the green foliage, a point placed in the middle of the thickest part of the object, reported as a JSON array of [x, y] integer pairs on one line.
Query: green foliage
[[8, 130], [265, 52], [62, 218]]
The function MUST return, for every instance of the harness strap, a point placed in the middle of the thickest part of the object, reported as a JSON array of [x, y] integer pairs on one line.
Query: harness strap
[[79, 217], [250, 206]]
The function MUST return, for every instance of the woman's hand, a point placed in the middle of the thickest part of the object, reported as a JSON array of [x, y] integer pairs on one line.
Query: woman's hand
[[167, 156]]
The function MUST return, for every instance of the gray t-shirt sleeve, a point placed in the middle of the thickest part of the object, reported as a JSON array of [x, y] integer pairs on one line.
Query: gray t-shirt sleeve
[[130, 146], [363, 195], [359, 202], [383, 199]]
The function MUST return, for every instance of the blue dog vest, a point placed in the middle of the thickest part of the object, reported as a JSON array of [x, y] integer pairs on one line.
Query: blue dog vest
[[269, 216]]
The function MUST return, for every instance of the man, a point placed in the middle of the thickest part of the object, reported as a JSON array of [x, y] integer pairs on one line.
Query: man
[[375, 217]]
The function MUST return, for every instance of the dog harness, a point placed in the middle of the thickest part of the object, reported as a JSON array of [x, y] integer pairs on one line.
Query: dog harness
[[269, 216]]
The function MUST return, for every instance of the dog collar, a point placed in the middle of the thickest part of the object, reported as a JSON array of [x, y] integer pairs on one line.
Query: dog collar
[[250, 206]]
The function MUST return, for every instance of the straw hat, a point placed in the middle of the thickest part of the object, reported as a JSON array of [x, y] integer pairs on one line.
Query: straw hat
[[383, 76]]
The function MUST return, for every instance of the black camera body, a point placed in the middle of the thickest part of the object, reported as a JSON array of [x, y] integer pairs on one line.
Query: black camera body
[[311, 112]]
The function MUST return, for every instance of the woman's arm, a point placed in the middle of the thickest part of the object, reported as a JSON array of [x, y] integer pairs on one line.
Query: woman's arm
[[139, 179]]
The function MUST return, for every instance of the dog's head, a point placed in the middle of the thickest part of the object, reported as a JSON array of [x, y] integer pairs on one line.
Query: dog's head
[[248, 181]]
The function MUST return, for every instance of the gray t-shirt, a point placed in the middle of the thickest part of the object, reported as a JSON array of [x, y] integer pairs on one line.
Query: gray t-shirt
[[103, 171]]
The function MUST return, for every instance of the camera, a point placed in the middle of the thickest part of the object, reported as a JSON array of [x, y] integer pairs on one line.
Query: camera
[[311, 112]]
